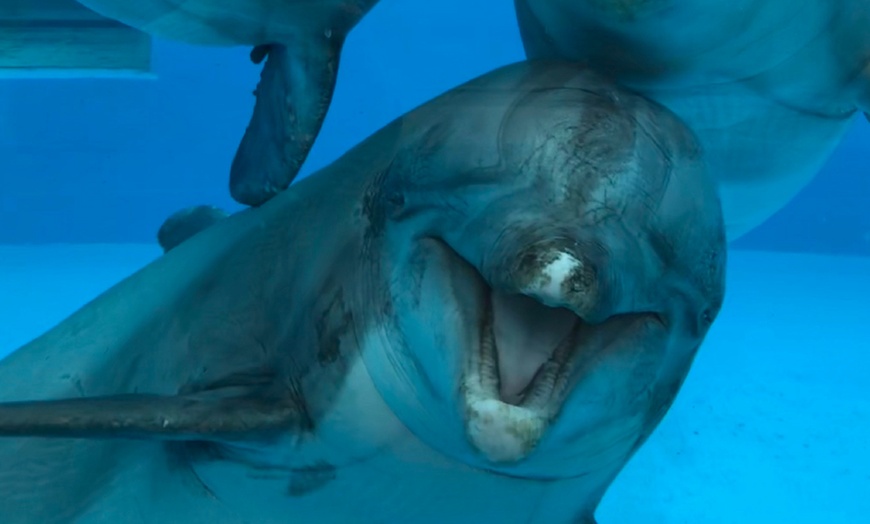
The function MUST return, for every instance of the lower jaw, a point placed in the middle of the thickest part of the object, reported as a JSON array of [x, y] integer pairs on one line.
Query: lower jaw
[[501, 432]]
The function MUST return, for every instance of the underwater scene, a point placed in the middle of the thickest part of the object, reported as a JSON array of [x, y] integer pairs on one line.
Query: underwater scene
[[361, 261]]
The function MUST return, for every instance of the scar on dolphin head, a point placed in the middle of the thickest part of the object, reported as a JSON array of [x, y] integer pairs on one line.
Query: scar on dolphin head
[[309, 479]]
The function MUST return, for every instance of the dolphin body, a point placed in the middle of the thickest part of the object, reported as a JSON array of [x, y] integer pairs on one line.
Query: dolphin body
[[770, 87], [478, 313]]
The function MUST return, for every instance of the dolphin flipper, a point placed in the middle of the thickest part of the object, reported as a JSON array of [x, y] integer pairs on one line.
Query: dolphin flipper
[[186, 223], [301, 41], [293, 95]]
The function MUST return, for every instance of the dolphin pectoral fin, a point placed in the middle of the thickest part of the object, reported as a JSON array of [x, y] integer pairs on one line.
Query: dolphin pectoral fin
[[186, 223], [293, 96], [150, 417]]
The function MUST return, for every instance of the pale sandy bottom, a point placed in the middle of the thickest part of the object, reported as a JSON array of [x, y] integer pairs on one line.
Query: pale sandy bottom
[[772, 426]]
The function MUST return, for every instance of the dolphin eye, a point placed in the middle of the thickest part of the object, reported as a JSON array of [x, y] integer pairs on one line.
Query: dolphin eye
[[396, 200], [394, 204], [706, 318]]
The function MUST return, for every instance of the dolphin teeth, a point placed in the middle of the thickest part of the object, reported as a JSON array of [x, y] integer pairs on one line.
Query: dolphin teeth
[[551, 378], [547, 380], [488, 354], [516, 378]]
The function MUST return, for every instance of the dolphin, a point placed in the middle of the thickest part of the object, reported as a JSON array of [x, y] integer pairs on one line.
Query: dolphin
[[770, 87], [479, 312], [301, 43]]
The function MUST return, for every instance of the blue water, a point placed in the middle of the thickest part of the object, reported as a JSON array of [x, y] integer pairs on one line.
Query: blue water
[[110, 159], [772, 424]]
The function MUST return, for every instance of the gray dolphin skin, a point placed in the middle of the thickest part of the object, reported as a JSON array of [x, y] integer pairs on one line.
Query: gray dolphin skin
[[769, 86], [301, 43], [479, 313], [186, 223]]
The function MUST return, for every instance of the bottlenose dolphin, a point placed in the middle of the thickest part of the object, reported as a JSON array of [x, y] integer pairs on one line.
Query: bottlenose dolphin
[[769, 86], [479, 313], [301, 43]]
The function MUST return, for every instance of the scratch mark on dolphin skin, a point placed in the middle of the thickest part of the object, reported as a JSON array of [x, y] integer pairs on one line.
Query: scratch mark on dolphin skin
[[418, 267], [76, 382], [310, 478], [420, 372], [178, 456], [373, 211], [332, 326]]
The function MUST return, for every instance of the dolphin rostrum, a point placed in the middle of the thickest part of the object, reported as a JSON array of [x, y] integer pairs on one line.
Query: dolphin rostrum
[[480, 312]]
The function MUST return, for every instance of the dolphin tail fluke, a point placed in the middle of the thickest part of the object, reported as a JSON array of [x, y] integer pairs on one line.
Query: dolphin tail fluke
[[293, 96]]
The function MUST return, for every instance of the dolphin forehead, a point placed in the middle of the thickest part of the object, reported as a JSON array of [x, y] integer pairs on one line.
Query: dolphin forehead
[[545, 120]]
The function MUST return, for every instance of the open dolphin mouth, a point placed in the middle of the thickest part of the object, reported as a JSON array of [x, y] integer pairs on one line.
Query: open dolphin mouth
[[518, 376], [525, 350], [531, 349], [533, 335]]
